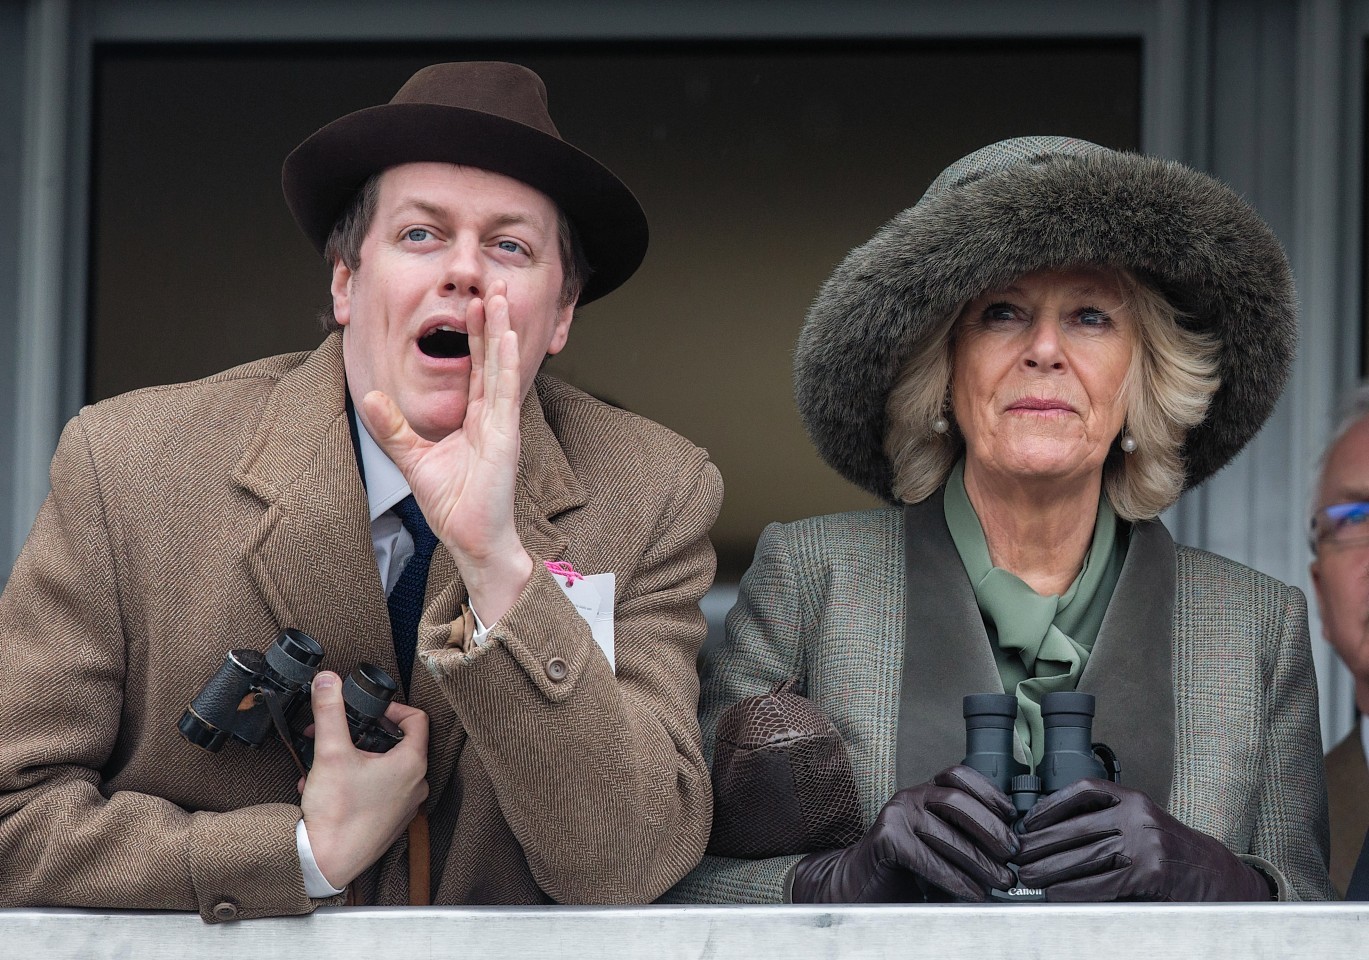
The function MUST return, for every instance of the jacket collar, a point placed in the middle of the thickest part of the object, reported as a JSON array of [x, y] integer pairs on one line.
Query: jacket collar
[[310, 553], [947, 655], [1130, 670], [547, 485], [302, 433]]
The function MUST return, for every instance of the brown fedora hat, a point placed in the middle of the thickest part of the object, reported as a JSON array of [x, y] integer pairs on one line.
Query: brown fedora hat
[[488, 115]]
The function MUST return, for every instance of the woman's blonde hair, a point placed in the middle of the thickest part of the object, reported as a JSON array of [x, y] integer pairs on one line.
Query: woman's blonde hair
[[1168, 387]]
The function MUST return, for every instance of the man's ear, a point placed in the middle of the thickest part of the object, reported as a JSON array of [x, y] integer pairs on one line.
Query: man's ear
[[341, 289], [560, 332]]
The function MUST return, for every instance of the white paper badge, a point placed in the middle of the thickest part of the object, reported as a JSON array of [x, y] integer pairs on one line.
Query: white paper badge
[[592, 597]]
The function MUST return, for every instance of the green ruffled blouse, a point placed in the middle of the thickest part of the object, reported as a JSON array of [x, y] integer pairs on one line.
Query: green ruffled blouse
[[1039, 643]]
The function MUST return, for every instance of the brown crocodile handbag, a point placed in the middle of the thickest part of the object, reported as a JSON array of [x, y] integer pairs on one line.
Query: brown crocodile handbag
[[782, 782]]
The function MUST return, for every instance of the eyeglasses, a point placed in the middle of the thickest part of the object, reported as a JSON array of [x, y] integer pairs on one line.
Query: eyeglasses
[[1340, 525]]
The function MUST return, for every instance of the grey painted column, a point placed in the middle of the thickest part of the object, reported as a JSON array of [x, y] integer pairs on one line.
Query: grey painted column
[[1247, 140], [1274, 130], [46, 192], [1325, 247], [11, 113]]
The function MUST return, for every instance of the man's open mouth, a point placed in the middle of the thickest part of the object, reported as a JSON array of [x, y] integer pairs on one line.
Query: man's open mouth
[[445, 344]]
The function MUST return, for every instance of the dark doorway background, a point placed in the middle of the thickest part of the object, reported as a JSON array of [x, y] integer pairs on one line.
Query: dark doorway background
[[759, 165]]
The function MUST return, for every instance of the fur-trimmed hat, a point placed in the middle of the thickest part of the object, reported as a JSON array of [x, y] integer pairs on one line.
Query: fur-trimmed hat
[[481, 114], [1035, 203]]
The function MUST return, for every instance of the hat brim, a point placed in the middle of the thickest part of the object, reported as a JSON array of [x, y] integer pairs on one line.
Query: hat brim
[[1182, 231], [322, 175]]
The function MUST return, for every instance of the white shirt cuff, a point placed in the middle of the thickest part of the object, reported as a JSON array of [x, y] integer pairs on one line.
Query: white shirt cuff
[[315, 884], [480, 629]]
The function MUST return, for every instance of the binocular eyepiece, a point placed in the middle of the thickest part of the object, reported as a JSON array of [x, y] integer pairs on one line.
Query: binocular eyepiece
[[1069, 753], [255, 692], [366, 693]]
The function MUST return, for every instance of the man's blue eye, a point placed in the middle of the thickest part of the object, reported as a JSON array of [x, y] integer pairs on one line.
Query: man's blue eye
[[417, 235], [512, 246]]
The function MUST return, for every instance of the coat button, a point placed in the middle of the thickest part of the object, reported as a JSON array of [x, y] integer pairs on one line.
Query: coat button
[[557, 669], [226, 910]]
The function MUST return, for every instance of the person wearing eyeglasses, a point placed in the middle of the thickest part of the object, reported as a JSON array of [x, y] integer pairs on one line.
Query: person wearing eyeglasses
[[1340, 573]]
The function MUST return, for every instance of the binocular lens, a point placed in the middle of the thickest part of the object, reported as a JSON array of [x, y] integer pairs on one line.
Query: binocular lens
[[375, 681], [295, 656], [1068, 720], [1067, 709], [990, 710], [200, 732], [368, 690], [989, 719]]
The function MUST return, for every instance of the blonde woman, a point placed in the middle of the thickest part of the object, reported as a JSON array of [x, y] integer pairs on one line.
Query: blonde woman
[[1030, 365]]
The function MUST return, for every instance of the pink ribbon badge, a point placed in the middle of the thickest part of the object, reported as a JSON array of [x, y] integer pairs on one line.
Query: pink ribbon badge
[[562, 568]]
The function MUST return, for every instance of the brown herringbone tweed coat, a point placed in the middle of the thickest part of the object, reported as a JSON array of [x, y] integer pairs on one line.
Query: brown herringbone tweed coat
[[187, 520], [1202, 672]]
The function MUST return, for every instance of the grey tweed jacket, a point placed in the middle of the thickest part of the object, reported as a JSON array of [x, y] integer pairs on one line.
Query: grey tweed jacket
[[1202, 670]]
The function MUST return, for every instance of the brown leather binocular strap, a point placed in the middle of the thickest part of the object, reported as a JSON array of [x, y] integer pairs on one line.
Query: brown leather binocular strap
[[420, 867], [420, 862]]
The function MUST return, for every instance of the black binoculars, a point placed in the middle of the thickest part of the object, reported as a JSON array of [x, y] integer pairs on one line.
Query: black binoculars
[[1069, 754], [256, 693]]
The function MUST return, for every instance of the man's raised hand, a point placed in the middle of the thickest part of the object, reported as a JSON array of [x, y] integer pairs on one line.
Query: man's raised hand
[[464, 482]]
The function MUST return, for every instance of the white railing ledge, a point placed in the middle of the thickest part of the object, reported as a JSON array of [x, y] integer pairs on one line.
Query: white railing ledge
[[949, 932]]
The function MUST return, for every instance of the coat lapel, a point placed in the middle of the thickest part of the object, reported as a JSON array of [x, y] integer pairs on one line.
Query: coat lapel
[[946, 648], [1130, 669], [310, 555], [947, 655], [547, 486]]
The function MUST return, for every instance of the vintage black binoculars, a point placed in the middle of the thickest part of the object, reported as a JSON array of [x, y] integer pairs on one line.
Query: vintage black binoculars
[[1069, 754], [254, 694]]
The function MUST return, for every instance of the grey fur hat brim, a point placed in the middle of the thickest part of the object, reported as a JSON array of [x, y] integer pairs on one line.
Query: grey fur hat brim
[[1032, 204]]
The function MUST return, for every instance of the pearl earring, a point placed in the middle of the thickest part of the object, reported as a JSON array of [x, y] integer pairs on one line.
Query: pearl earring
[[941, 425], [1128, 443]]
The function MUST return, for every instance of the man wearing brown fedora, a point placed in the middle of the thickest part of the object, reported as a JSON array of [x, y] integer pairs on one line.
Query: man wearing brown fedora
[[526, 561]]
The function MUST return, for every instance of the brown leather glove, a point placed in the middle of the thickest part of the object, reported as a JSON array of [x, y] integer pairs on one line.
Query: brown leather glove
[[1098, 841], [948, 839]]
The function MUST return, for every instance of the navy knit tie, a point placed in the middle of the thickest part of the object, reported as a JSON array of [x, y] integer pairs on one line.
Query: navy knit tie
[[406, 599]]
